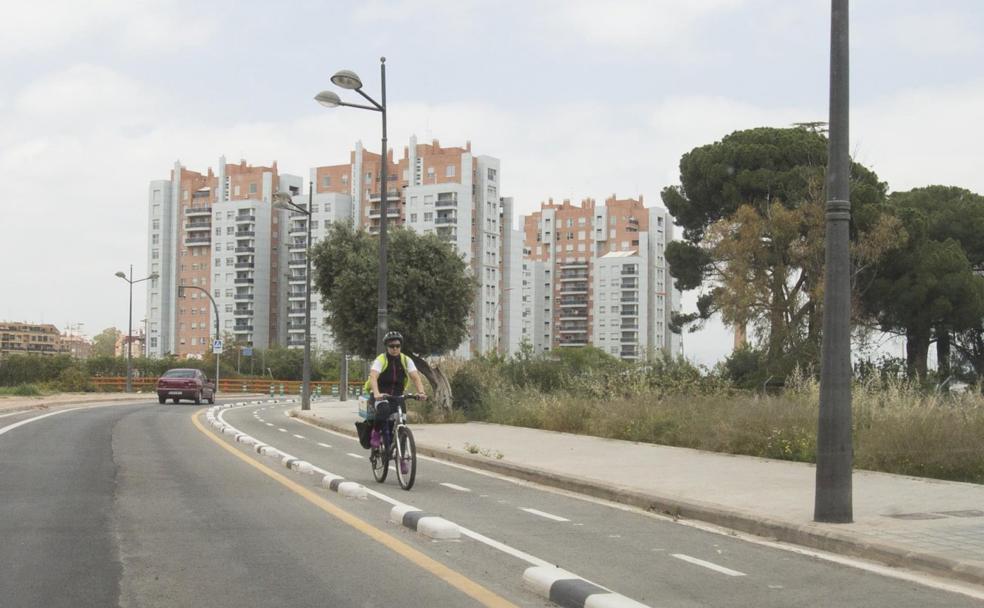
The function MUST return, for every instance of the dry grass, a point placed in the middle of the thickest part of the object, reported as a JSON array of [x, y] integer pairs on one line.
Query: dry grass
[[898, 428]]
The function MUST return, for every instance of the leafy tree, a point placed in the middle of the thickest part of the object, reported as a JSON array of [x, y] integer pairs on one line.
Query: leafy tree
[[931, 287], [752, 211], [430, 294], [104, 344]]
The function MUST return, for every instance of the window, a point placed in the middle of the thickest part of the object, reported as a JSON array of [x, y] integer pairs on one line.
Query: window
[[252, 188], [345, 179], [218, 231], [413, 217], [327, 224], [184, 195], [491, 175], [228, 215], [230, 261], [369, 176], [326, 181], [155, 239], [429, 217], [155, 254], [235, 190], [314, 208], [449, 171], [228, 307], [229, 229]]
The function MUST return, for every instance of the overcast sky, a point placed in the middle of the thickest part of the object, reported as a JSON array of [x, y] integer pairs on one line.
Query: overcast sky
[[577, 98]]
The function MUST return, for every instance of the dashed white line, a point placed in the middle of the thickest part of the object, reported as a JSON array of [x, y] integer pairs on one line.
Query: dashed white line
[[708, 565], [354, 455], [324, 445], [282, 430], [299, 436], [544, 514], [455, 487], [269, 424]]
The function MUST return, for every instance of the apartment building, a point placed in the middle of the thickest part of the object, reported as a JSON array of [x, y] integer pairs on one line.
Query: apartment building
[[214, 232], [30, 339], [449, 192], [596, 274]]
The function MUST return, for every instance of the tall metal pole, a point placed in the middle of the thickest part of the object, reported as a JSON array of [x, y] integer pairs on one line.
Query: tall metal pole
[[306, 375], [833, 500], [343, 379], [129, 339], [381, 313]]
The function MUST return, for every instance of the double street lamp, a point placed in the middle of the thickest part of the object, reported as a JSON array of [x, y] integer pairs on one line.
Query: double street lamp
[[129, 330], [282, 200], [347, 79]]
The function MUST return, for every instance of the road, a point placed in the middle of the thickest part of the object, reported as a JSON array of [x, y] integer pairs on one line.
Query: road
[[137, 505]]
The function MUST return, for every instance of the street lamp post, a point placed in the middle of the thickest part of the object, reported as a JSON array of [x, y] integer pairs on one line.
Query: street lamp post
[[282, 200], [833, 500], [215, 307], [129, 329], [347, 79]]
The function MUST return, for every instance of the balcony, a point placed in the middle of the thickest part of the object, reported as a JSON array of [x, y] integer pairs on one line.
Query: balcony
[[295, 326], [245, 233], [630, 284], [198, 240], [445, 219], [243, 281], [297, 261], [245, 249], [628, 272], [572, 329], [630, 336], [630, 325], [243, 297], [295, 311], [242, 328], [629, 354], [296, 277], [630, 311], [243, 312], [390, 212], [192, 211], [573, 342], [445, 201], [572, 265], [297, 228], [295, 341], [244, 264], [565, 302], [573, 314], [241, 219], [629, 299], [295, 244], [296, 295], [193, 226], [573, 276], [575, 287]]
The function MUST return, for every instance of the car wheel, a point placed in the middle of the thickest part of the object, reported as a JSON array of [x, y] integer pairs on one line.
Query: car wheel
[[174, 399], [211, 398], [198, 398], [161, 398]]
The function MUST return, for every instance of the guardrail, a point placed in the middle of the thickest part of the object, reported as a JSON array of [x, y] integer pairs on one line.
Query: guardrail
[[227, 385]]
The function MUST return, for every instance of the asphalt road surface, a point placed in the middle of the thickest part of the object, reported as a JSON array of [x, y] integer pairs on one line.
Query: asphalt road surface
[[136, 505]]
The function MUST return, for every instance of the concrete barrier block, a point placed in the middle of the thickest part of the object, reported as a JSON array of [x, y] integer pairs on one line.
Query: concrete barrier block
[[328, 479], [398, 511], [350, 489], [438, 528]]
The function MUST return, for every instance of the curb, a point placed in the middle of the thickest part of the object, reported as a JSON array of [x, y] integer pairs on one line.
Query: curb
[[571, 591], [428, 524], [799, 534]]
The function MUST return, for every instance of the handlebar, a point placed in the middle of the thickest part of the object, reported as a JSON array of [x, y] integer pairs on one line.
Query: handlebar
[[404, 396]]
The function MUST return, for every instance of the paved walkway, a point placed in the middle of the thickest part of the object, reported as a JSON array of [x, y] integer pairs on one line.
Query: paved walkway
[[921, 524]]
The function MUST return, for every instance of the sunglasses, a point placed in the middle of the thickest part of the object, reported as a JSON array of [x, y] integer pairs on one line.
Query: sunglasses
[[395, 345]]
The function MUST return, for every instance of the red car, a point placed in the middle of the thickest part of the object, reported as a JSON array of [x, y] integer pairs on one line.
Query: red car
[[177, 384]]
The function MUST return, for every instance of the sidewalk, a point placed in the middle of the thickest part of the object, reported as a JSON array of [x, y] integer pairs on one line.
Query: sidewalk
[[920, 524]]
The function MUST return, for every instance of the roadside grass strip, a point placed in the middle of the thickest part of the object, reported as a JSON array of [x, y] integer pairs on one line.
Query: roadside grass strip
[[559, 586]]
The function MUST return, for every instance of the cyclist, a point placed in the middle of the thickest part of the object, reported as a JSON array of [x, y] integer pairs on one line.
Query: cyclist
[[390, 374]]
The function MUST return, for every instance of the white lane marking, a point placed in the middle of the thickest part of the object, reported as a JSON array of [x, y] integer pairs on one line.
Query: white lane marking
[[455, 487], [354, 455], [269, 424], [282, 430], [324, 445], [708, 565], [23, 422], [299, 436], [543, 514]]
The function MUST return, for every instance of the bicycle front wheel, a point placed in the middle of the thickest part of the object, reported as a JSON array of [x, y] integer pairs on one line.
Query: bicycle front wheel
[[379, 463], [406, 458]]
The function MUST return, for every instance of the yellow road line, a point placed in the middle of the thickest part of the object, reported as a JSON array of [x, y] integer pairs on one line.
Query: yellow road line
[[451, 577]]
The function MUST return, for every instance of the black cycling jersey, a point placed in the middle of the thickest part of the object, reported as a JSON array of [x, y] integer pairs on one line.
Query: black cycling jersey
[[392, 379]]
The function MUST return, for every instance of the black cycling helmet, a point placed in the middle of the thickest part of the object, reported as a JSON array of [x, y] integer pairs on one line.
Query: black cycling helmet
[[393, 335]]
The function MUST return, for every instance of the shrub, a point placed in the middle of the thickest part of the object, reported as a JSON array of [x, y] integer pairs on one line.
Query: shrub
[[21, 390], [73, 380], [467, 390]]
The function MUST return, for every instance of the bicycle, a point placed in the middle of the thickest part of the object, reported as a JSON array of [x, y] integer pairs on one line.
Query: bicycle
[[403, 451]]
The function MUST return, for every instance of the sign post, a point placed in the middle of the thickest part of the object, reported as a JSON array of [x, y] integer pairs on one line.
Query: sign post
[[217, 350]]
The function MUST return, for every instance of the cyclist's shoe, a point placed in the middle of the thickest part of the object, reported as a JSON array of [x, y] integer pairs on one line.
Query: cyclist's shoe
[[374, 439], [404, 466]]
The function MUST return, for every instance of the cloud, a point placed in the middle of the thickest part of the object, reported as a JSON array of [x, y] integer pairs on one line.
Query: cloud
[[133, 25], [937, 34]]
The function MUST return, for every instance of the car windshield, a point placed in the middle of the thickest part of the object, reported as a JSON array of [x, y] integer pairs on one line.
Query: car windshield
[[180, 373]]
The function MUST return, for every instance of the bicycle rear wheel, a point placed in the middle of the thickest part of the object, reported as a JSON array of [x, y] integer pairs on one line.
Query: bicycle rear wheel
[[380, 463], [406, 458]]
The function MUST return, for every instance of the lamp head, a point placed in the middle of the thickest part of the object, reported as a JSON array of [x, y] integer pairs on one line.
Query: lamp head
[[154, 275], [121, 274], [281, 200], [347, 79], [328, 99]]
